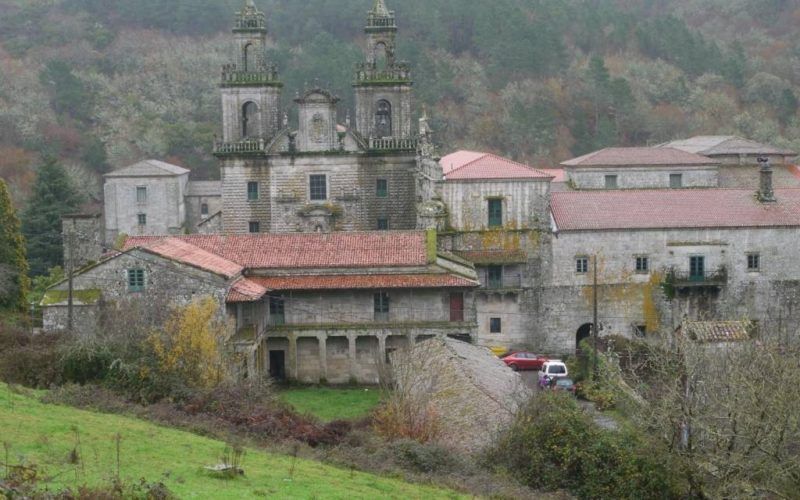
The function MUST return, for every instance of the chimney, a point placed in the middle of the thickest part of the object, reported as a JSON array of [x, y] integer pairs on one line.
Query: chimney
[[766, 194]]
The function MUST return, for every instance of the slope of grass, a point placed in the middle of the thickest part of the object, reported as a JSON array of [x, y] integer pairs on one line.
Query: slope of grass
[[44, 435], [329, 404]]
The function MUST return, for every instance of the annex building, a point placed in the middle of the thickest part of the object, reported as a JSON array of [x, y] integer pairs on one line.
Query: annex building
[[330, 244]]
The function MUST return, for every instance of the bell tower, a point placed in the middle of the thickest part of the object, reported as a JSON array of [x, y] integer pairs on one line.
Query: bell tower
[[250, 87], [383, 86]]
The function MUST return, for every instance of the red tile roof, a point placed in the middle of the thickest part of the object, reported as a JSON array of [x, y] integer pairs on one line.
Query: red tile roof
[[558, 174], [619, 157], [245, 290], [181, 251], [363, 282], [311, 251], [470, 165], [716, 331], [673, 208]]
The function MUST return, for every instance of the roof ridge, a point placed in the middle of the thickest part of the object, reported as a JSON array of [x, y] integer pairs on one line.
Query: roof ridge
[[481, 157]]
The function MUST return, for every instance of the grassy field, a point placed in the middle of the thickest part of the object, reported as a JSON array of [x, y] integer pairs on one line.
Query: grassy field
[[329, 404], [45, 434]]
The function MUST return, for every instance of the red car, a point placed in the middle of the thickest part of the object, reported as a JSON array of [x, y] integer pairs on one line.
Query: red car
[[524, 361]]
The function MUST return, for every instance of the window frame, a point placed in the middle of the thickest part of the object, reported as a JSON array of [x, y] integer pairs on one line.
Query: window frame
[[614, 184], [312, 196], [383, 223], [494, 217], [581, 264], [136, 280], [253, 194], [381, 188], [494, 276], [495, 325], [141, 195], [679, 177], [251, 224], [753, 258], [204, 209], [141, 219], [697, 262], [381, 302], [277, 311], [639, 260]]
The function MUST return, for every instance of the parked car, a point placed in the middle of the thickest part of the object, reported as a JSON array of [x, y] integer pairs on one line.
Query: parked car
[[551, 369], [524, 361], [563, 384]]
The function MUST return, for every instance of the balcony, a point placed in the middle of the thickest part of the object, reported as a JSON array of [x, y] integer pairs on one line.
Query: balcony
[[683, 279], [395, 74], [500, 285], [263, 75], [390, 144], [245, 147]]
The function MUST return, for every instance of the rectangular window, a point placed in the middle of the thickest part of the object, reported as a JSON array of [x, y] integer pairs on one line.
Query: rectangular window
[[142, 219], [383, 224], [135, 280], [141, 194], [277, 311], [495, 213], [676, 181], [254, 227], [317, 187], [252, 191], [495, 325], [582, 265], [382, 188], [204, 209], [697, 268], [642, 265], [494, 277], [381, 301], [456, 307], [753, 262], [611, 182]]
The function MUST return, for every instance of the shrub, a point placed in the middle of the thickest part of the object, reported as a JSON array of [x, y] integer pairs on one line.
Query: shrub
[[403, 417], [424, 457], [599, 393], [32, 361], [554, 445]]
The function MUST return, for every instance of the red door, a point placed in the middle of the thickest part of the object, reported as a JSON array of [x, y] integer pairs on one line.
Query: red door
[[456, 307]]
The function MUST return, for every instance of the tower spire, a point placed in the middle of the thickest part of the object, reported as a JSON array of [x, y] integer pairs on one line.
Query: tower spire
[[380, 10]]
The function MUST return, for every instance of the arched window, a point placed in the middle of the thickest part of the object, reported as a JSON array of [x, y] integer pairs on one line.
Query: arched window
[[249, 120], [383, 119], [381, 54], [247, 58]]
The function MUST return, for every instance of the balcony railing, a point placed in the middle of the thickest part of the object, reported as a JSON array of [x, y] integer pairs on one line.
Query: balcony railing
[[391, 144], [262, 74], [509, 282], [399, 72], [718, 277], [243, 147]]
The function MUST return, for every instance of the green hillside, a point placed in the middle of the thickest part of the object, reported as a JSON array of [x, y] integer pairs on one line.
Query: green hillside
[[44, 435]]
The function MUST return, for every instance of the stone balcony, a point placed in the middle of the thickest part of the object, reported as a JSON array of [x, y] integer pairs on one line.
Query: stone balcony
[[392, 144], [245, 147], [713, 279], [395, 74], [262, 75]]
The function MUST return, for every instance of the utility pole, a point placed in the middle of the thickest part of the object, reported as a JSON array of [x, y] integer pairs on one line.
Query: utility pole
[[70, 267], [595, 329]]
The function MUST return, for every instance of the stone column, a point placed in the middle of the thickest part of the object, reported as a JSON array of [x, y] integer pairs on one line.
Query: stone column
[[382, 348], [291, 362], [323, 357], [351, 339]]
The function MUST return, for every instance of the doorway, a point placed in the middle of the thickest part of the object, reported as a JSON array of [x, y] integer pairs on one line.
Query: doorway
[[277, 365], [584, 332]]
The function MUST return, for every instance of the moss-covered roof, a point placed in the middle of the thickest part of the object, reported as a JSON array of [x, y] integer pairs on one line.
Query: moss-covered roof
[[55, 297]]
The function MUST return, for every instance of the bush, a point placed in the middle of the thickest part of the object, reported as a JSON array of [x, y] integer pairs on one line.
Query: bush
[[598, 393], [554, 445], [424, 457], [32, 361]]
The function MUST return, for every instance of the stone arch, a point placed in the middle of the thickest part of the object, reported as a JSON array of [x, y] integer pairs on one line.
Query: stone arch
[[584, 332], [383, 118], [248, 57], [381, 54], [250, 125]]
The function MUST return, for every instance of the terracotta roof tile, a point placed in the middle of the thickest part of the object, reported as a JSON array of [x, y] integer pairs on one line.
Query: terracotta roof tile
[[363, 282], [474, 166], [245, 290], [641, 156], [713, 145], [673, 208], [179, 250], [558, 174], [716, 331], [293, 251]]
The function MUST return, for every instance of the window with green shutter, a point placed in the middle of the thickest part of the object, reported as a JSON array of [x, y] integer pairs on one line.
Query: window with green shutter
[[252, 191], [135, 280], [495, 213], [382, 188]]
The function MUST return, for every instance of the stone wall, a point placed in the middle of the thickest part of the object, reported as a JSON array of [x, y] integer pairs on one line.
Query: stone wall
[[643, 177], [164, 207], [83, 238], [525, 203], [269, 118], [400, 98], [194, 213]]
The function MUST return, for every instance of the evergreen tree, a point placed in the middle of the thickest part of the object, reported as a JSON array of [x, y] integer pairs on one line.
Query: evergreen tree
[[53, 196], [13, 264]]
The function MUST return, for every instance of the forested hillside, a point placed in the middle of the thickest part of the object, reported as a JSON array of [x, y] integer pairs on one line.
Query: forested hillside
[[101, 83]]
